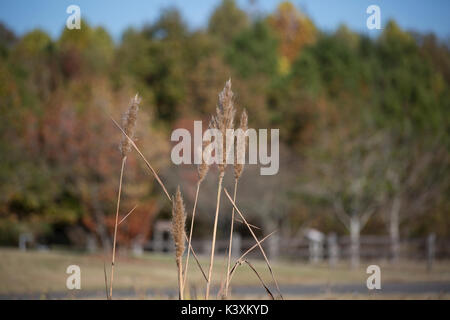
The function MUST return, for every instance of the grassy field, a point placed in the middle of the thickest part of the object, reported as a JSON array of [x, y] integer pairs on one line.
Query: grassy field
[[44, 272]]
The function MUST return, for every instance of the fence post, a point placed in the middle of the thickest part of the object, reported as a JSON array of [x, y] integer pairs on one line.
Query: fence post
[[315, 250], [236, 245], [333, 249], [355, 229], [91, 243], [206, 246], [158, 241], [23, 239], [431, 248], [274, 246], [137, 245]]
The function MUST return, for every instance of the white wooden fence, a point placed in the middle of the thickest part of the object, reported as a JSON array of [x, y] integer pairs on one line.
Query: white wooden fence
[[331, 249]]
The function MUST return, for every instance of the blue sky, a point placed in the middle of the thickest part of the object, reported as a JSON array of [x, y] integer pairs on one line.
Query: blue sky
[[50, 15]]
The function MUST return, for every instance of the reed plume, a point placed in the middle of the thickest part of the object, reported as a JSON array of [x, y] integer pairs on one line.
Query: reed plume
[[239, 159], [179, 235], [129, 126], [239, 155], [203, 167], [223, 121]]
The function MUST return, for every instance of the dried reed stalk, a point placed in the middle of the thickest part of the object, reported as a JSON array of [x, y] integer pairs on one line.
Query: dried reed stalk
[[251, 225], [239, 155], [257, 242], [179, 235], [223, 121], [260, 279], [202, 170], [106, 281], [143, 158], [213, 243], [198, 262], [129, 125], [126, 216], [239, 261]]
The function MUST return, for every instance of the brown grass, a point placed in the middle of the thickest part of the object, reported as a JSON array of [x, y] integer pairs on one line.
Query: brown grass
[[179, 235], [239, 155], [129, 125], [223, 120]]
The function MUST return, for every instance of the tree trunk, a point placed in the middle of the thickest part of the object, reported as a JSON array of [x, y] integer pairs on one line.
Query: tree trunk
[[273, 242], [394, 229], [333, 249], [355, 229]]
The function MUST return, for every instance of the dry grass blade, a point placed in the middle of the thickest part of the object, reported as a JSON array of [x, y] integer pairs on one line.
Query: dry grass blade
[[251, 225], [230, 244], [143, 157], [126, 216], [198, 262], [179, 235], [257, 241], [124, 159], [213, 242], [239, 261], [106, 280], [260, 279], [221, 291]]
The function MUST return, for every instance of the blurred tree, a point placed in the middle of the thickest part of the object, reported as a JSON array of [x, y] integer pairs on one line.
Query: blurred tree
[[167, 73], [85, 50], [294, 30], [35, 60], [415, 182], [7, 39], [364, 119], [348, 174], [253, 51], [227, 21]]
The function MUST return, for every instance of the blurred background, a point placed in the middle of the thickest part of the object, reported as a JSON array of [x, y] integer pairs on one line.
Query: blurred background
[[364, 133]]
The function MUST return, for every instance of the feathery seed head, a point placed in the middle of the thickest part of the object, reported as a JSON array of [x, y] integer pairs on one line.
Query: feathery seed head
[[240, 147], [203, 168], [178, 224], [224, 119], [129, 125]]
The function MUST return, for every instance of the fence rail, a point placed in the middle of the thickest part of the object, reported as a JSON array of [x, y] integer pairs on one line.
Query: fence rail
[[332, 248]]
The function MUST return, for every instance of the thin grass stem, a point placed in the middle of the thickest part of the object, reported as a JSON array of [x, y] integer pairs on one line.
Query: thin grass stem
[[213, 243], [124, 159], [190, 234], [230, 245]]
